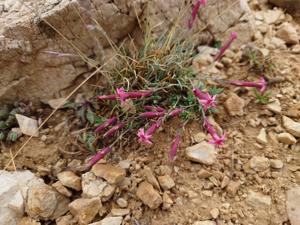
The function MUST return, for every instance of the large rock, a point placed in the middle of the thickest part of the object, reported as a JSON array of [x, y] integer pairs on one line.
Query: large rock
[[38, 63], [13, 191], [293, 6]]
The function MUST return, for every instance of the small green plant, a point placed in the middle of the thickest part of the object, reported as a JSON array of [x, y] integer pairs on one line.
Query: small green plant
[[262, 98]]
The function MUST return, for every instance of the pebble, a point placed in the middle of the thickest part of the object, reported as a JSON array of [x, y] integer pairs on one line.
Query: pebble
[[149, 195], [288, 33], [108, 192], [149, 176], [225, 182], [204, 174], [125, 164], [262, 136], [272, 16], [119, 212], [258, 200], [207, 193], [205, 222], [70, 179], [122, 202], [112, 174], [274, 106], [291, 126], [203, 152], [286, 138], [109, 221], [166, 182], [62, 189], [233, 187], [235, 105], [92, 186], [27, 125], [167, 201], [293, 205], [259, 163], [214, 213], [85, 210], [276, 163]]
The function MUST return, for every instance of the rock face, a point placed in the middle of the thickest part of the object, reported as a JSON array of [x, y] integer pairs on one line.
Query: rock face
[[293, 6], [35, 57], [13, 195], [293, 205]]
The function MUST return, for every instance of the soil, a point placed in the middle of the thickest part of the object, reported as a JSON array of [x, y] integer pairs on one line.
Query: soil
[[194, 196]]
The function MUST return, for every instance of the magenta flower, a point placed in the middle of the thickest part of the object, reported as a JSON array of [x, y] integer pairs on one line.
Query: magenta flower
[[227, 45], [139, 94], [195, 12], [175, 112], [216, 140], [261, 84], [154, 108], [106, 124], [206, 100], [113, 130], [144, 137], [149, 115], [98, 156], [107, 97], [122, 94], [174, 147]]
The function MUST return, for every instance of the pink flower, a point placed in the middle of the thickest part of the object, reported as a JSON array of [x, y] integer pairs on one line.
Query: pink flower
[[175, 112], [261, 84], [98, 156], [195, 12], [107, 97], [149, 115], [216, 140], [233, 36], [113, 130], [144, 137], [139, 94], [174, 147], [122, 94], [206, 100], [106, 124], [154, 108]]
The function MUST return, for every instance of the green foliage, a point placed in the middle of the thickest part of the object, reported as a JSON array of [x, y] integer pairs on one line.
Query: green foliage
[[215, 91], [262, 98]]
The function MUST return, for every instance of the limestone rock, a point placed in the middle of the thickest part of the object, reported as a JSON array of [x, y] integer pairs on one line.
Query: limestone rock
[[274, 106], [119, 212], [112, 174], [149, 195], [149, 176], [122, 202], [286, 138], [43, 202], [288, 33], [66, 220], [258, 200], [272, 16], [28, 221], [203, 153], [293, 205], [27, 125], [109, 221], [259, 163], [108, 192], [85, 210], [167, 201], [233, 187], [235, 105], [291, 126], [214, 213], [92, 186], [13, 194], [262, 136], [166, 182], [70, 179], [62, 189]]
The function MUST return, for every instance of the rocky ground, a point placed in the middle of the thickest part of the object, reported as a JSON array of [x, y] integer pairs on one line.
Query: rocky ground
[[254, 179]]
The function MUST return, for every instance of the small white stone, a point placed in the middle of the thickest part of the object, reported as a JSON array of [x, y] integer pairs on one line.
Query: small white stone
[[276, 163], [259, 163], [214, 213], [109, 221], [274, 106], [258, 200], [206, 222], [203, 153], [262, 136], [288, 33], [122, 202], [291, 126], [286, 138], [27, 125]]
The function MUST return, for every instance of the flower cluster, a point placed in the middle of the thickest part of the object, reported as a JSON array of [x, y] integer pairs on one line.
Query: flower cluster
[[122, 95]]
